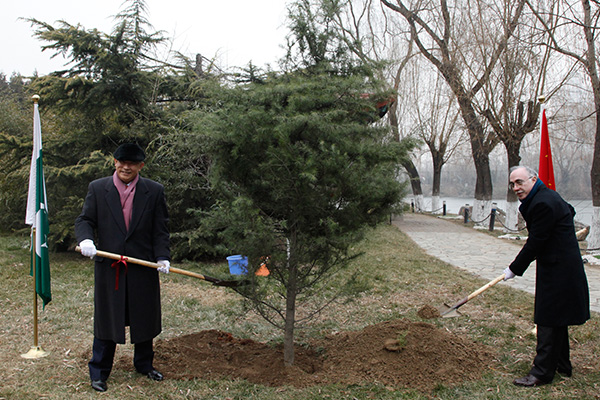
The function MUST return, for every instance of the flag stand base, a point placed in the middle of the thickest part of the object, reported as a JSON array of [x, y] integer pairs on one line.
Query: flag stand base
[[35, 352]]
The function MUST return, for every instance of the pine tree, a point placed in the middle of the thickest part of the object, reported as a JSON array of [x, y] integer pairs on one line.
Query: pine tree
[[301, 173]]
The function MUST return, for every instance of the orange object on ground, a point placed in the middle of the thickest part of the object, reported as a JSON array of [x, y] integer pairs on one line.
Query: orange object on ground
[[263, 270]]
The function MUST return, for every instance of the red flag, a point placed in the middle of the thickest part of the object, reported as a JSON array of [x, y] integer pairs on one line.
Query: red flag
[[546, 172]]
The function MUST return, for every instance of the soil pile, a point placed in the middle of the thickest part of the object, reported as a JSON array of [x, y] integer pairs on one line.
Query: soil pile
[[397, 353], [429, 312]]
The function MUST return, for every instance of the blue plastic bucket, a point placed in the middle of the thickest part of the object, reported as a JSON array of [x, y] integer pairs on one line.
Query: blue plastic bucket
[[238, 265]]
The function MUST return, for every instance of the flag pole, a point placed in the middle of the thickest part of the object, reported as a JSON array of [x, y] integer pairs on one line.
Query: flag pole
[[35, 351]]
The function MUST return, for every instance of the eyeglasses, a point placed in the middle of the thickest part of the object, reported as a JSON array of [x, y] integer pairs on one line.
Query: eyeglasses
[[518, 182]]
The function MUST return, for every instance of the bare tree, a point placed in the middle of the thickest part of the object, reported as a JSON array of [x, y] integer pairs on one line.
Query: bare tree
[[375, 39], [528, 71], [510, 104], [441, 34], [585, 22], [436, 122]]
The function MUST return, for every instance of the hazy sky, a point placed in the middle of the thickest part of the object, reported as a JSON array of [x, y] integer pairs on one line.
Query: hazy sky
[[237, 31]]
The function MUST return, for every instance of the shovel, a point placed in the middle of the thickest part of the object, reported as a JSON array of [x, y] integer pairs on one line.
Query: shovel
[[214, 281], [447, 311]]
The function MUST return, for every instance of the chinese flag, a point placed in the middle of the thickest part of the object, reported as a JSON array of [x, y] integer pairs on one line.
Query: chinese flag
[[546, 172]]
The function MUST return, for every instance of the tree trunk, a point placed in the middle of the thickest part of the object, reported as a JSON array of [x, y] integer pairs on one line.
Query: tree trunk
[[451, 71], [290, 307], [437, 180], [591, 64], [436, 207], [415, 179], [511, 222], [198, 67], [481, 212], [477, 136], [438, 163], [409, 166], [419, 205], [593, 239], [595, 171]]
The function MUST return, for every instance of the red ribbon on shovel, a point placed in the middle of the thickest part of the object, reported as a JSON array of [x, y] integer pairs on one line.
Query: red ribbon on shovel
[[117, 265]]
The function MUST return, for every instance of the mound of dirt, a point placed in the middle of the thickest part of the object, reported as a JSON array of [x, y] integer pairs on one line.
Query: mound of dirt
[[429, 312], [422, 357]]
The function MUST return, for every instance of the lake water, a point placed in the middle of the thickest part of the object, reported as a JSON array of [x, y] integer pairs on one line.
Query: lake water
[[453, 205]]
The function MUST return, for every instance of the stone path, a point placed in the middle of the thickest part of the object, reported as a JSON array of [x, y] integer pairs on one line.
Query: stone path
[[478, 252]]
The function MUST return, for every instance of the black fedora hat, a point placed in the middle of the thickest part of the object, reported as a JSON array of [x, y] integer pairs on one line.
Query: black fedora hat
[[129, 152]]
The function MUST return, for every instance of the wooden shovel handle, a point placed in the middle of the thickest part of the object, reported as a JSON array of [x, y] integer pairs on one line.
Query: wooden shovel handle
[[485, 287], [151, 264], [478, 291]]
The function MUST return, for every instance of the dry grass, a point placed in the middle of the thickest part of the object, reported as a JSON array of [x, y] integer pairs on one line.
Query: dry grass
[[400, 278]]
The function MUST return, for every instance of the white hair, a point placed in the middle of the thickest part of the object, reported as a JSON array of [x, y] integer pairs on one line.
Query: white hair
[[532, 172]]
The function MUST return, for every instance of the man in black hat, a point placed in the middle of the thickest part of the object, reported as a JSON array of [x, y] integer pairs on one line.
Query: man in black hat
[[125, 214]]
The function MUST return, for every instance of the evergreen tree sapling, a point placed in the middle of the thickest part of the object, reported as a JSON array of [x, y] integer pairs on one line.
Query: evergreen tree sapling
[[300, 173]]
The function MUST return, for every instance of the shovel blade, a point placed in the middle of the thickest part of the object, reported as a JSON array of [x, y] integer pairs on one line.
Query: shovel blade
[[447, 311]]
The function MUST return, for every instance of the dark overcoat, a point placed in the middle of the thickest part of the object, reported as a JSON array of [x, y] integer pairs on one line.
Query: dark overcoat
[[561, 289], [136, 303]]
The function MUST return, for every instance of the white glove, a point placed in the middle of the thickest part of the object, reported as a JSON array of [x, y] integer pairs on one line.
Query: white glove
[[88, 248], [508, 274], [165, 265]]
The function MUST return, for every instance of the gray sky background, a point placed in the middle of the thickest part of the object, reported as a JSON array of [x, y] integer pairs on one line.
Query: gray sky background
[[235, 31]]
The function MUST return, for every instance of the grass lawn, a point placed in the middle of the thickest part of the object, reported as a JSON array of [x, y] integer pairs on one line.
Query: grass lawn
[[399, 280]]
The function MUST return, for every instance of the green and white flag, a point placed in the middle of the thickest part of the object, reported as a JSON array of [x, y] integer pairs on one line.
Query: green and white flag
[[37, 214]]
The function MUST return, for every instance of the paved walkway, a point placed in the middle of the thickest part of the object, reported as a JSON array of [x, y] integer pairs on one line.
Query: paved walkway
[[478, 252]]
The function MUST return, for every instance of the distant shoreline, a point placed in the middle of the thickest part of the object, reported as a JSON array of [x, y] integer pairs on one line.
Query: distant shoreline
[[583, 208]]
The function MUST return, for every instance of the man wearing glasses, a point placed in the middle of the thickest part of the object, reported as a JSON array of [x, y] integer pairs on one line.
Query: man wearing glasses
[[561, 289]]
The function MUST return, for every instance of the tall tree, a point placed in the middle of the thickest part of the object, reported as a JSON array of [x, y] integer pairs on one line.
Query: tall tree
[[511, 104], [109, 78], [112, 90], [362, 30], [435, 122], [585, 22], [442, 33]]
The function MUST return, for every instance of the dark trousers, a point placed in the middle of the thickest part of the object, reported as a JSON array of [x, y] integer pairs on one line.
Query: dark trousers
[[552, 353], [103, 354]]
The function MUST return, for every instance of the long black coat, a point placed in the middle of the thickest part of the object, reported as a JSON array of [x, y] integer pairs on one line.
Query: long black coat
[[137, 301], [561, 289]]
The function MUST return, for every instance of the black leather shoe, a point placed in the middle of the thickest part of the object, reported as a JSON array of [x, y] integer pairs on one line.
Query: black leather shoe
[[155, 375], [529, 381], [99, 386]]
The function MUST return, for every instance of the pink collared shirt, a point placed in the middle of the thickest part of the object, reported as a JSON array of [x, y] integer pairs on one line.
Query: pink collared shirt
[[126, 194]]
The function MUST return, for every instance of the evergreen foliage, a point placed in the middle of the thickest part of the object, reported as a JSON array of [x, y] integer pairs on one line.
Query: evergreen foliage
[[300, 173], [112, 92], [15, 150]]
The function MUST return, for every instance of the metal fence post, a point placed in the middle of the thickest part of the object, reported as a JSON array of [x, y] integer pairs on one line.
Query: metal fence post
[[493, 216]]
